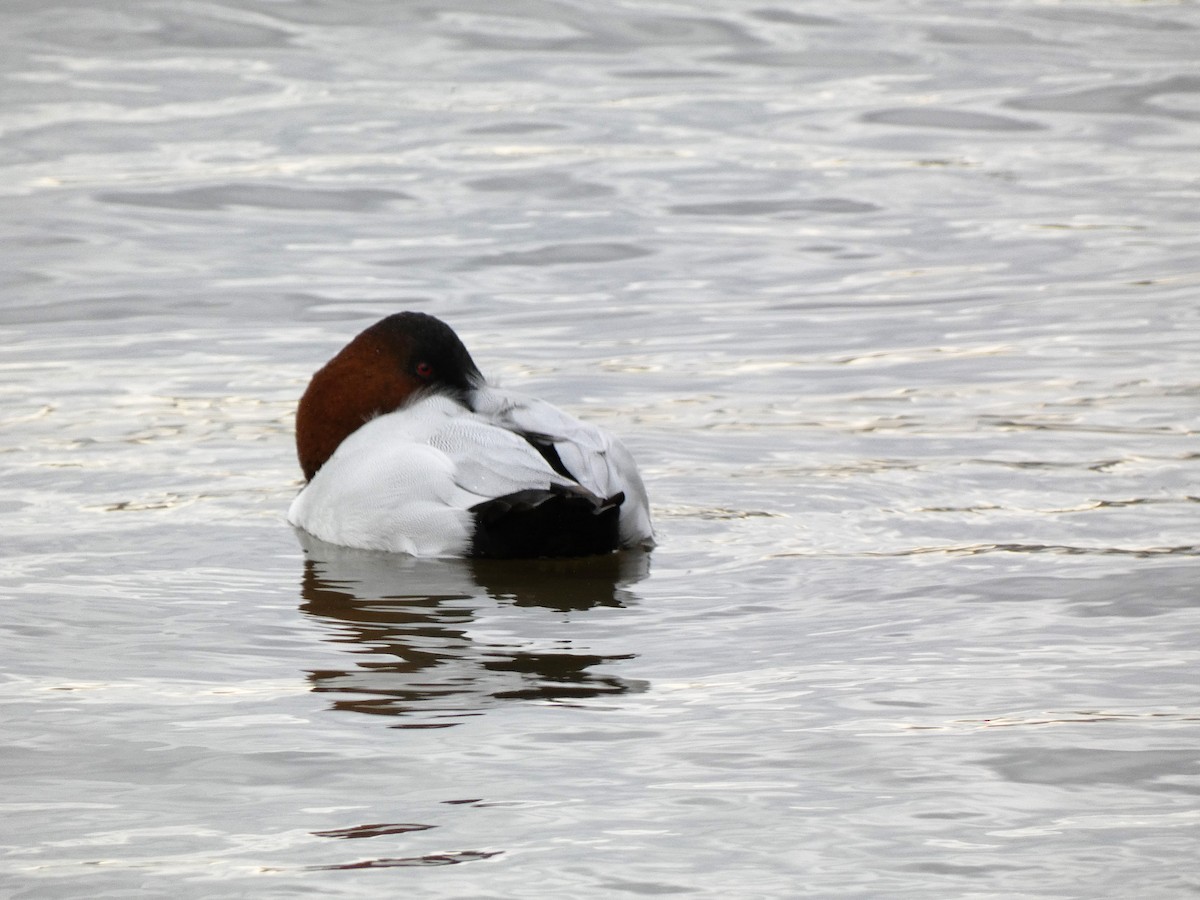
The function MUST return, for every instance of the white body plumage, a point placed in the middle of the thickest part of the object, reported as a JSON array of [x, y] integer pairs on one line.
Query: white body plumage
[[406, 480]]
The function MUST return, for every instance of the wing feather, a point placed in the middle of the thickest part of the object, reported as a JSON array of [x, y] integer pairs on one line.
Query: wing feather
[[598, 461]]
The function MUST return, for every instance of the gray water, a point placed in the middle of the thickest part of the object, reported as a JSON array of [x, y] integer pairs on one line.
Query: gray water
[[898, 305]]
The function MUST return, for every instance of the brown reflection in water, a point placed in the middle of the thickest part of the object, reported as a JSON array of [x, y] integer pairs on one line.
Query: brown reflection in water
[[409, 621], [374, 830], [433, 859]]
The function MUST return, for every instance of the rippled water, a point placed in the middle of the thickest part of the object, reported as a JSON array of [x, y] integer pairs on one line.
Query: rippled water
[[898, 304]]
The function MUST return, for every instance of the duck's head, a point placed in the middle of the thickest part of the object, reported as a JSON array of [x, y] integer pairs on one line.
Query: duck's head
[[381, 370]]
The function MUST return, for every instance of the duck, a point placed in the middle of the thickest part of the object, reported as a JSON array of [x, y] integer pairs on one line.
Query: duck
[[406, 448]]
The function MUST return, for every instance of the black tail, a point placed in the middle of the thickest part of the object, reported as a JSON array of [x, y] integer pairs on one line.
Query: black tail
[[556, 521]]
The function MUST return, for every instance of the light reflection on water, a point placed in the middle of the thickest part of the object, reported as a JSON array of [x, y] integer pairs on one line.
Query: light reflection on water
[[896, 305]]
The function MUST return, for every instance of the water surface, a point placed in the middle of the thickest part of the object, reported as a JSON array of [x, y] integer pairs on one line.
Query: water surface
[[897, 305]]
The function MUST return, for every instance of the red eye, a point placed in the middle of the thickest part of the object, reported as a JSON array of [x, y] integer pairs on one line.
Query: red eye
[[424, 370]]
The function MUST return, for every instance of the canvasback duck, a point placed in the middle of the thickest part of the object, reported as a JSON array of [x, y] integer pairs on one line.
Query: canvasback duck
[[406, 448]]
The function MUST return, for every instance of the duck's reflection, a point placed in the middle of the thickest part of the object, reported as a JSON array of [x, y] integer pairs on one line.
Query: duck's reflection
[[429, 644]]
